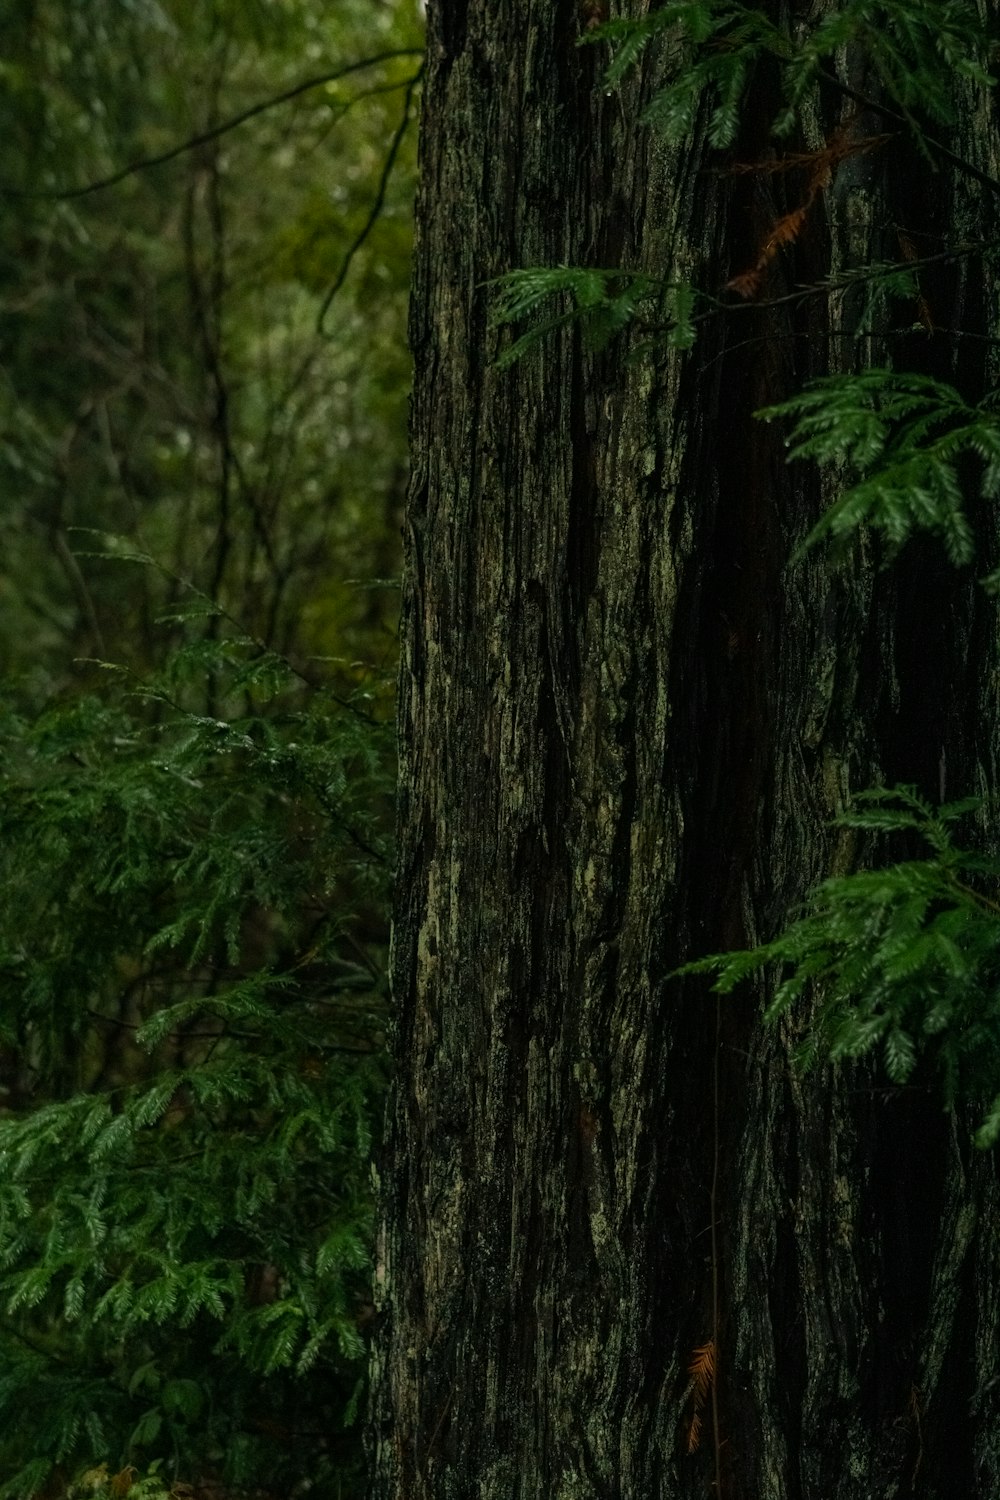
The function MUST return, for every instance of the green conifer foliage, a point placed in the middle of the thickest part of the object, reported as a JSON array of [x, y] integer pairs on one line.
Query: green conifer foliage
[[191, 944], [201, 491], [905, 958], [900, 439]]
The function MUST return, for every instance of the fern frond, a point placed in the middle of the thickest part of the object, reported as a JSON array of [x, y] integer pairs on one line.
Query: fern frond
[[709, 47], [601, 303], [701, 1369], [818, 169], [903, 435], [904, 958], [630, 38]]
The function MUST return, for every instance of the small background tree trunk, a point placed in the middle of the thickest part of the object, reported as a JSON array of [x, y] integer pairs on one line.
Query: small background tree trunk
[[626, 724]]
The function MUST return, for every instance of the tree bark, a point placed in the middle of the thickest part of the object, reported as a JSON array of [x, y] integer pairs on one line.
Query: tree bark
[[625, 725]]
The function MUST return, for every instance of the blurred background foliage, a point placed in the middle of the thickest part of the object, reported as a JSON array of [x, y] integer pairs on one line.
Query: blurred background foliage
[[203, 383]]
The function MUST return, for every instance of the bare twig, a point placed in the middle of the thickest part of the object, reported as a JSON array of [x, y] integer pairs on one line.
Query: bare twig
[[377, 202], [210, 134]]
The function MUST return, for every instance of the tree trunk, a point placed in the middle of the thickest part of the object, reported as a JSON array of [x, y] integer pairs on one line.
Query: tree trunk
[[626, 723]]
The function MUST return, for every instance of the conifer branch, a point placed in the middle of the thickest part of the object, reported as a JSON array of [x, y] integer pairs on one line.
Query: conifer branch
[[938, 147], [819, 165], [903, 959]]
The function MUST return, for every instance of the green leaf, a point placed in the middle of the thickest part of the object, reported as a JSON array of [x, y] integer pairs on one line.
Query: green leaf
[[183, 1398], [147, 1429], [900, 1055]]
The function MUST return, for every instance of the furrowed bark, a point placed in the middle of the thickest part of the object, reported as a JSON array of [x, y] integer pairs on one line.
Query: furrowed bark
[[625, 726]]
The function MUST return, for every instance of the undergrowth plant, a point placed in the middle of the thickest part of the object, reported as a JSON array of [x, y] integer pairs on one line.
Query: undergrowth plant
[[193, 887]]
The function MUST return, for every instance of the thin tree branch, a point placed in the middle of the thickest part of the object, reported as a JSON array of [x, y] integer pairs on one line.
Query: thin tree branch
[[802, 336], [847, 279], [74, 573], [714, 1242], [902, 119], [352, 103], [211, 134], [377, 203]]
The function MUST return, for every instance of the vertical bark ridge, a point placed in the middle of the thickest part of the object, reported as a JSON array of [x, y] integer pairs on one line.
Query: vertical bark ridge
[[625, 725]]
